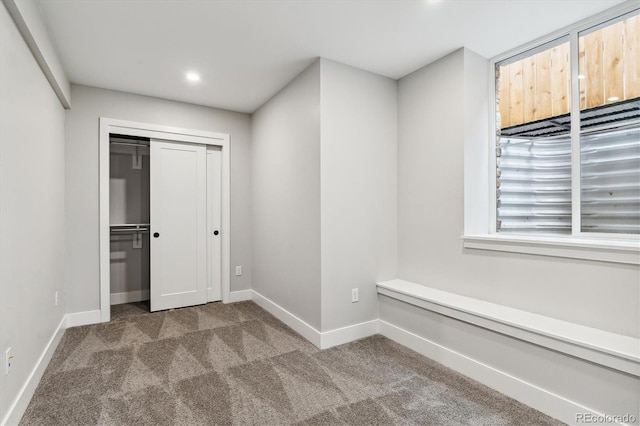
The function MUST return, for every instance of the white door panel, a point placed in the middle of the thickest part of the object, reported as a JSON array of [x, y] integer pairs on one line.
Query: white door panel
[[178, 225], [214, 247]]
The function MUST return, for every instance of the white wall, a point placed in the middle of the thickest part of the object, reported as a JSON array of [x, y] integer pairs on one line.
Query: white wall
[[476, 131], [430, 217], [89, 104], [286, 197], [28, 18], [325, 194], [32, 222], [358, 191]]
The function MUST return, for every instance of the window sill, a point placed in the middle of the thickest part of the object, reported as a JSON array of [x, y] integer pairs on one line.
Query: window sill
[[616, 251]]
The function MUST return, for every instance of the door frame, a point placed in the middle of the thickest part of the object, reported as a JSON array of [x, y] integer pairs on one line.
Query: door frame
[[176, 134]]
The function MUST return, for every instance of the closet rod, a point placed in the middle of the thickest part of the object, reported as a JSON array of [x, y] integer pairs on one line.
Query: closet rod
[[130, 231], [144, 145], [130, 227]]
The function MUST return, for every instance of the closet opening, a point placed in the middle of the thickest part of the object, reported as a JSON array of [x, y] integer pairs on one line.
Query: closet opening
[[165, 232], [129, 219]]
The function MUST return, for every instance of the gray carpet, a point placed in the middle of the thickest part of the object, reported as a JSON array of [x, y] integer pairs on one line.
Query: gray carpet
[[237, 364]]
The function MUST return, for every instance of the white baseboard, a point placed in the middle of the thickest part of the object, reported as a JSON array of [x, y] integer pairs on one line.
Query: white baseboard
[[83, 318], [542, 400], [21, 402], [240, 296], [322, 340], [348, 334], [301, 327], [129, 296]]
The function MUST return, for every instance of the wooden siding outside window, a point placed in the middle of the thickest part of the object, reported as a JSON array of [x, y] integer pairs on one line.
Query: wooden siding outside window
[[538, 86]]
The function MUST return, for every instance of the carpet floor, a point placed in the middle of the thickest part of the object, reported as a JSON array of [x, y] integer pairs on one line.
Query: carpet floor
[[237, 364]]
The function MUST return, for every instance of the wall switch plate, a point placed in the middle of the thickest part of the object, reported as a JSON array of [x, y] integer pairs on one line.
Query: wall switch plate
[[8, 360], [238, 271], [354, 295]]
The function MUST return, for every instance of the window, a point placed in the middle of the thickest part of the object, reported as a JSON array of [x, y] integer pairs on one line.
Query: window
[[568, 134], [563, 151]]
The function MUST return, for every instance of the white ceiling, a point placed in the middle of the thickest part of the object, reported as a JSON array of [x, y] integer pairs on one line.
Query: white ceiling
[[247, 50]]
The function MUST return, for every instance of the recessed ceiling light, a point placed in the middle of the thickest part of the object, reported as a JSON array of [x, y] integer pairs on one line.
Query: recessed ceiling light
[[193, 76], [581, 77], [612, 99]]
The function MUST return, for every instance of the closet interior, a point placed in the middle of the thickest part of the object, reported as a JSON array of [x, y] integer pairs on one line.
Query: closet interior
[[129, 218]]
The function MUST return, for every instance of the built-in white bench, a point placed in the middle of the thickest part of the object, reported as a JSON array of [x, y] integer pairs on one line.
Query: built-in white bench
[[598, 346]]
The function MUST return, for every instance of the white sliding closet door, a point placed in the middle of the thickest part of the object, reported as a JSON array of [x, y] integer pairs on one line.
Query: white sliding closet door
[[214, 222], [178, 225]]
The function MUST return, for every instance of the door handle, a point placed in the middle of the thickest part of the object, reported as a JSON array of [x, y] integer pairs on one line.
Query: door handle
[[156, 234], [216, 232]]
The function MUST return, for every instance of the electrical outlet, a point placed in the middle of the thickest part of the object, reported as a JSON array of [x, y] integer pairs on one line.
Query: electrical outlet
[[354, 295], [238, 271], [8, 360], [55, 299]]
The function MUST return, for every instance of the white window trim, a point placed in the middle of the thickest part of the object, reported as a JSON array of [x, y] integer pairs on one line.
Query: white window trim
[[602, 250], [580, 245]]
